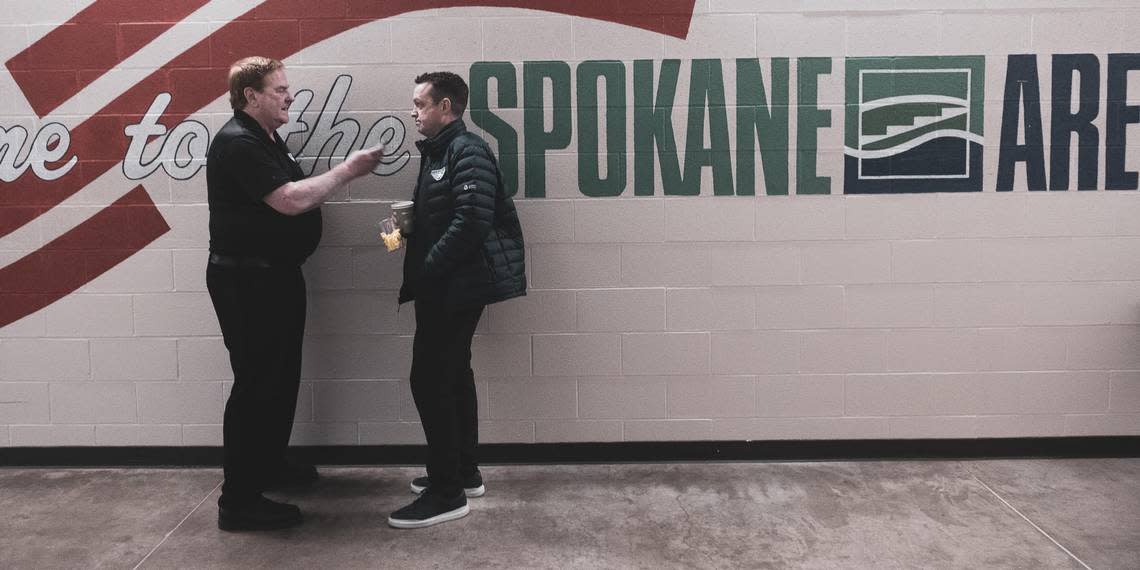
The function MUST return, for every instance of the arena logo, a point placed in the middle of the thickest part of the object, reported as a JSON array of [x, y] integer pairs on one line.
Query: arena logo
[[912, 124], [915, 124]]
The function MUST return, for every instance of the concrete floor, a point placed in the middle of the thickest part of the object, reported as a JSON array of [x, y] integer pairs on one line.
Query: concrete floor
[[897, 514]]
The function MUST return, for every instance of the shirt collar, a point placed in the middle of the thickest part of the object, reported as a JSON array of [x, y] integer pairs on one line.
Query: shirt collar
[[251, 123]]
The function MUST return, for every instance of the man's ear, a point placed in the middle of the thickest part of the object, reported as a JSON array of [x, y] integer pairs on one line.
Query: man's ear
[[445, 105], [248, 93]]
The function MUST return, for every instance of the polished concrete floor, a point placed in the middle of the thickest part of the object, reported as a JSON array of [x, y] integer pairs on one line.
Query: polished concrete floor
[[892, 514]]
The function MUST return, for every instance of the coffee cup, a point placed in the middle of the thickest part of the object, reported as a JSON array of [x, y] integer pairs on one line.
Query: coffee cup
[[404, 214]]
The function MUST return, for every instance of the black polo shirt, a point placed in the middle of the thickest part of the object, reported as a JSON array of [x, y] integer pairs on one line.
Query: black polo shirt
[[243, 166]]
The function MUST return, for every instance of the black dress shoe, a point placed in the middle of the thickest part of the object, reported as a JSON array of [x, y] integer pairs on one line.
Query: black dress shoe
[[257, 514], [293, 476]]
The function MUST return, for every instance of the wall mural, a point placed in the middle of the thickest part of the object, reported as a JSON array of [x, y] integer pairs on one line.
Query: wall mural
[[910, 124], [77, 53]]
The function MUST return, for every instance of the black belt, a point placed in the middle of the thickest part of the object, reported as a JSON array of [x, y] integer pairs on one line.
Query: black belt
[[244, 261]]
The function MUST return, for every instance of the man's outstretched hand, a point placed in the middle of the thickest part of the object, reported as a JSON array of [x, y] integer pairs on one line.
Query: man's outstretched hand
[[362, 162]]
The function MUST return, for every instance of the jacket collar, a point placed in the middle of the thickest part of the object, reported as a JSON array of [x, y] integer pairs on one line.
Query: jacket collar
[[442, 138]]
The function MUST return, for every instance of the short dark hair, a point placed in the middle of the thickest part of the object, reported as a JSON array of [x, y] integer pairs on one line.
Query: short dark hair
[[446, 85], [249, 72]]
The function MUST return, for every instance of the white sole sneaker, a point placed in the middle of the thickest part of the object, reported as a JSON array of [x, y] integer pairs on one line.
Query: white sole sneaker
[[471, 493], [440, 518]]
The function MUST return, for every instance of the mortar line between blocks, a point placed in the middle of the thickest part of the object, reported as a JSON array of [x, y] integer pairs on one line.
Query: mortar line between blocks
[[1031, 523], [179, 525]]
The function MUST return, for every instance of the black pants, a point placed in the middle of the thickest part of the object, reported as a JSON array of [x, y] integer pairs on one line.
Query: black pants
[[443, 387], [262, 316]]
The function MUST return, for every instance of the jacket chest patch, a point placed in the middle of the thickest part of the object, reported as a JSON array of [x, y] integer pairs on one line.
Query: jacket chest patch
[[438, 174]]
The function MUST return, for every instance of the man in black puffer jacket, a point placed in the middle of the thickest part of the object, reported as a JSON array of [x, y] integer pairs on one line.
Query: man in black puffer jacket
[[465, 252]]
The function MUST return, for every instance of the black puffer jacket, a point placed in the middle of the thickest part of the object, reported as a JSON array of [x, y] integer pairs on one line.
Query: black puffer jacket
[[467, 245]]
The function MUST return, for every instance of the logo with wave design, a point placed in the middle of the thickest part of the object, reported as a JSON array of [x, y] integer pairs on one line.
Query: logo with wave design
[[914, 124]]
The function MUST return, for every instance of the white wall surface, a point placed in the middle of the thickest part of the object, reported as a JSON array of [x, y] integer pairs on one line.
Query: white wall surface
[[918, 315]]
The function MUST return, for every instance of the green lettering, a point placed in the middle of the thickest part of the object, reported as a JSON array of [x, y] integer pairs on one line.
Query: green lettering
[[706, 92], [653, 127], [810, 118], [495, 126], [590, 182], [538, 139], [757, 120]]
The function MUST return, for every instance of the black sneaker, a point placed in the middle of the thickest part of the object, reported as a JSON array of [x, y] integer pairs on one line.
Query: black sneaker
[[430, 509], [258, 514], [292, 476], [472, 485]]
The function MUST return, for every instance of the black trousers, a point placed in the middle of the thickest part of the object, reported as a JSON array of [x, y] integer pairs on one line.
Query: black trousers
[[443, 387], [262, 315]]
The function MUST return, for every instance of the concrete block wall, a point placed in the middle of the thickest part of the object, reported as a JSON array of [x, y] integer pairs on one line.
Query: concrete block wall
[[672, 315]]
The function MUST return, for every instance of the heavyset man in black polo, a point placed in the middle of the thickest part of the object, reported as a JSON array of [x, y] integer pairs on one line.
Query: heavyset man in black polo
[[466, 252], [264, 222]]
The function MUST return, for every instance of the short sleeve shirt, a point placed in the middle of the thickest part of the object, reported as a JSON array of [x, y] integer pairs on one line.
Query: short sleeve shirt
[[244, 165]]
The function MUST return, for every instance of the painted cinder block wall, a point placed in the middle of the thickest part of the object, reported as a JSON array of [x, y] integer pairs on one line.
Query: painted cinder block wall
[[999, 310]]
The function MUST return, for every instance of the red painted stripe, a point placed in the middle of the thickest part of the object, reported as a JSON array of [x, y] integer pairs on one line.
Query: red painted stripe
[[273, 29], [101, 138], [671, 17], [71, 56], [79, 256]]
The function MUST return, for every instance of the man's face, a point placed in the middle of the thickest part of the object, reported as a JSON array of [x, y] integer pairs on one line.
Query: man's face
[[270, 105], [429, 114]]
